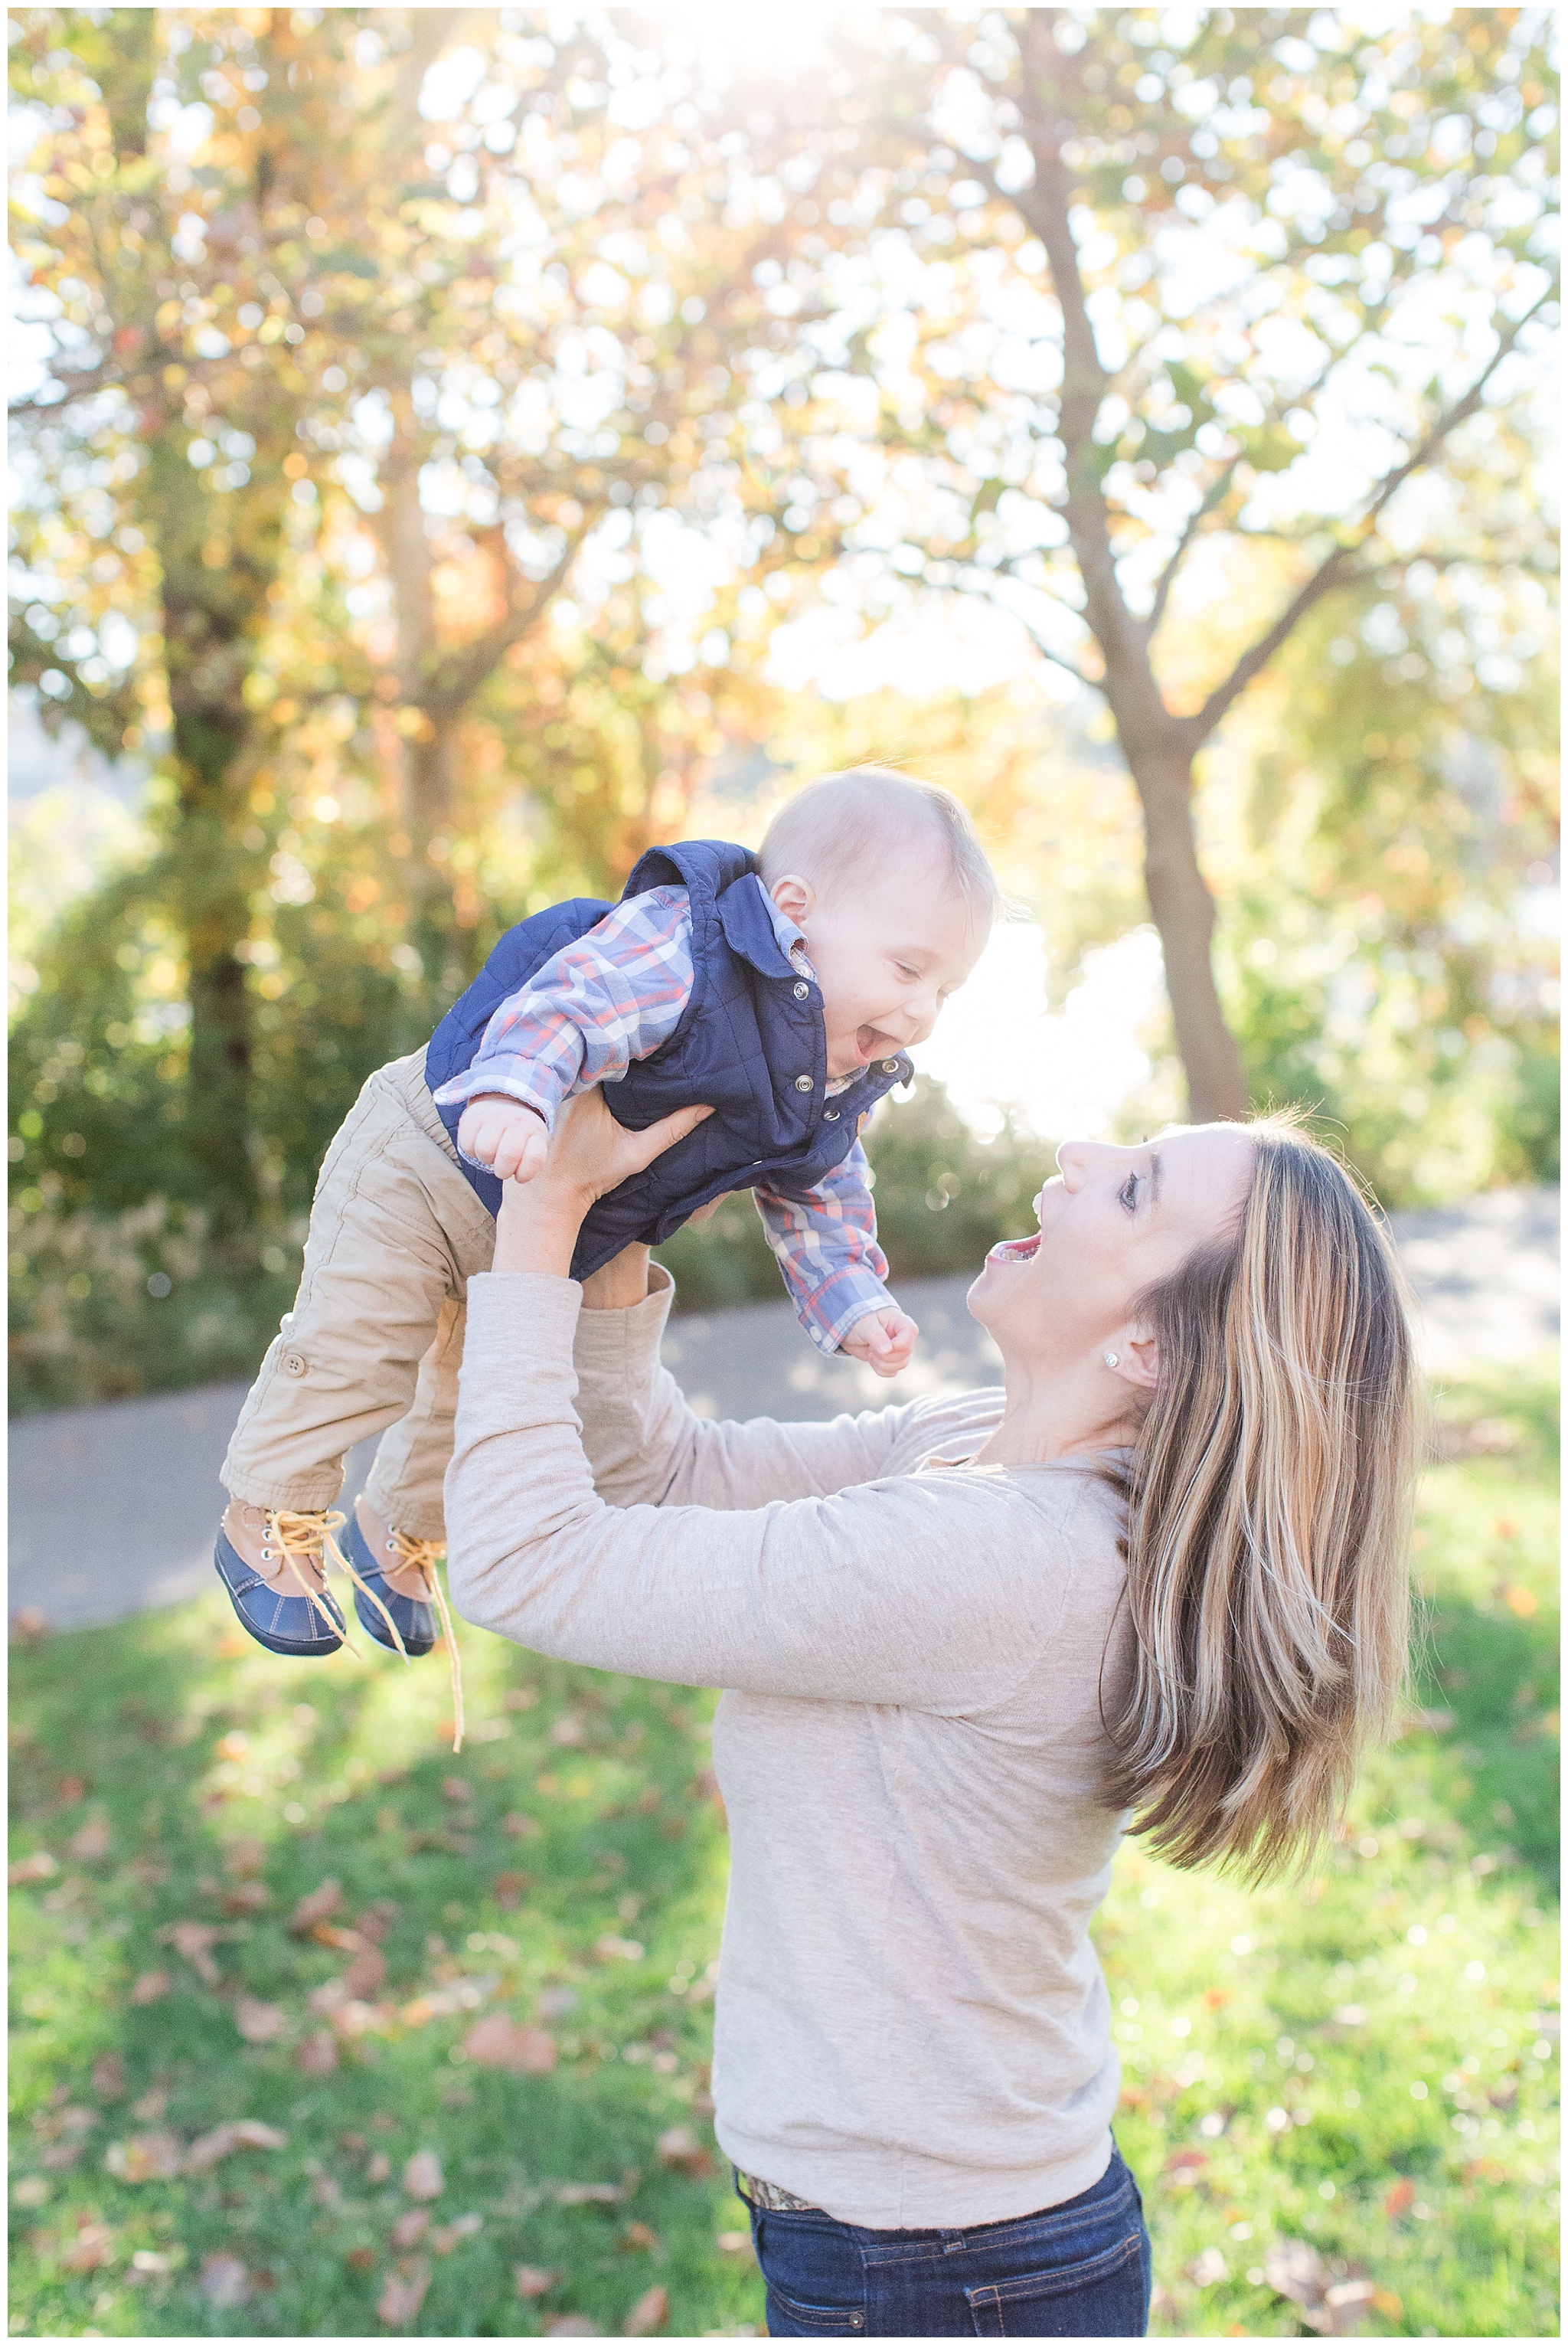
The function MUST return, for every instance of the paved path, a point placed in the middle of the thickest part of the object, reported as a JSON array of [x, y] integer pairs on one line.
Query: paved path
[[113, 1508]]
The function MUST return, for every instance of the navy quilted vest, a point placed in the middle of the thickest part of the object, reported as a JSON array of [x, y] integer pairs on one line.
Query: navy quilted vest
[[751, 1045]]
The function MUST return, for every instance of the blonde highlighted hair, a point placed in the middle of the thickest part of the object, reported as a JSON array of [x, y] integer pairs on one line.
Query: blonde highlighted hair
[[1268, 1522]]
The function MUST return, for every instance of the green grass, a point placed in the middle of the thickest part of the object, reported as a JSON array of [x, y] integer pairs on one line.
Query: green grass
[[1420, 2135]]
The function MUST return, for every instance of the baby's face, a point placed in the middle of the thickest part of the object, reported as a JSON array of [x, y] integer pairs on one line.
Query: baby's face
[[886, 957]]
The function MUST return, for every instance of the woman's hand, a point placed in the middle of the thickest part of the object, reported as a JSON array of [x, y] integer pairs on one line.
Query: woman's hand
[[589, 1155]]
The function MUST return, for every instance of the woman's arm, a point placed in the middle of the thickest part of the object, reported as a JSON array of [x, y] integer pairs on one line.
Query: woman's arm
[[934, 1591]]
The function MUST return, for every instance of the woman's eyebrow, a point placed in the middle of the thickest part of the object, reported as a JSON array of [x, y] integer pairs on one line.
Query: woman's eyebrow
[[1156, 1173]]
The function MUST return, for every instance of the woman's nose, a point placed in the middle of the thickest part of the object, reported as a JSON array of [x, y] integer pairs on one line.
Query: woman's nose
[[1072, 1158]]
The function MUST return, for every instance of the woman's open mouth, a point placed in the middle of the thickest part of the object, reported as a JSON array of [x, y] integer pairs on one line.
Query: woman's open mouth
[[1015, 1248]]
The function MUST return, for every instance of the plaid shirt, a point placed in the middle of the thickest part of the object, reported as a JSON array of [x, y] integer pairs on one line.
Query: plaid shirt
[[616, 995]]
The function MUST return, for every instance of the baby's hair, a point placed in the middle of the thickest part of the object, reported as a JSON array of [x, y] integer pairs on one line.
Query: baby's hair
[[832, 827]]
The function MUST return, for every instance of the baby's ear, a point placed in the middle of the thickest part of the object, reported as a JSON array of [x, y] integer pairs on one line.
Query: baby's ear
[[795, 897]]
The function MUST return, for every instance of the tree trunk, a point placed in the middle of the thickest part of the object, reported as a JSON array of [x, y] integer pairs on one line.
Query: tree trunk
[[1183, 912]]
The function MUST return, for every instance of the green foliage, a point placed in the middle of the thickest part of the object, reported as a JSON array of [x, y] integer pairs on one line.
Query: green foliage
[[1270, 2040]]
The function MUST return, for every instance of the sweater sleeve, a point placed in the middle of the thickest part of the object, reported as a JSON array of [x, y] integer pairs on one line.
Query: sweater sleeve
[[646, 1448], [935, 1591]]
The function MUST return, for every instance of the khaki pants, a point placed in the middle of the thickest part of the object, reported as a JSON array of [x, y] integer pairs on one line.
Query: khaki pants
[[374, 1338]]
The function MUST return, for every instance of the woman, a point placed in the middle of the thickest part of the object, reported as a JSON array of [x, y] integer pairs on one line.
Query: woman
[[1161, 1572]]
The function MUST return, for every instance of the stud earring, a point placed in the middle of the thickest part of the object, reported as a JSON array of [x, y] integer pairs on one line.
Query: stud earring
[[1111, 1358]]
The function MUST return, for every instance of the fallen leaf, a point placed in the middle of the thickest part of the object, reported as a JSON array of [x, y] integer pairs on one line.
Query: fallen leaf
[[556, 2002], [223, 2281], [533, 2279], [193, 1940], [93, 2247], [94, 1841], [1207, 2270], [70, 1789], [571, 2324], [247, 1897], [242, 1859], [422, 2176], [496, 2041], [109, 2076], [510, 1889], [612, 1949], [145, 2157], [365, 1973], [1185, 2166], [1401, 2196], [257, 2022], [1520, 1601], [410, 2228], [151, 1986], [463, 2227], [648, 2315], [360, 2259], [33, 2190], [638, 2237], [150, 2263], [39, 1866], [151, 2105], [317, 1907], [587, 2194], [460, 1793], [680, 2146], [522, 1827], [241, 2133], [735, 2243], [317, 2056], [28, 1625], [376, 1920], [401, 2298], [378, 2169], [569, 1732]]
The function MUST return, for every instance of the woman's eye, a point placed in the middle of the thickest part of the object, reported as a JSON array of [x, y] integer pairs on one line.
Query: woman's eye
[[1129, 1196], [904, 971]]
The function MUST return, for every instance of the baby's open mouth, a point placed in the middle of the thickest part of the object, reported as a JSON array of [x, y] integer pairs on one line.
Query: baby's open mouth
[[871, 1042], [1015, 1248]]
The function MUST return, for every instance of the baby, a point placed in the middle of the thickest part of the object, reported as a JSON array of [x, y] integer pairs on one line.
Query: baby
[[781, 989]]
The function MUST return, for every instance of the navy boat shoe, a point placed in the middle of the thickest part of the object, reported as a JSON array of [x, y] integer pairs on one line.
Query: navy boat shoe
[[275, 1611], [416, 1620]]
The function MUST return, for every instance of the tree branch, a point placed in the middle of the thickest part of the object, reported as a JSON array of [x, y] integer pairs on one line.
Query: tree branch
[[1195, 521], [982, 582], [1331, 572], [459, 677]]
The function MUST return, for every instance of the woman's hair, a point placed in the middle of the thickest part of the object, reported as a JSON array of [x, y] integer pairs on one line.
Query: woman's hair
[[848, 825], [1268, 1522]]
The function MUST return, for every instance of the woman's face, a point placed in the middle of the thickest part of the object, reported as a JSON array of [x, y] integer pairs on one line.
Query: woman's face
[[1112, 1221]]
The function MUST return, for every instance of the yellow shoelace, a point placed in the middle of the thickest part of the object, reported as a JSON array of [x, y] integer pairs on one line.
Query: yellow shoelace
[[302, 1539], [423, 1556]]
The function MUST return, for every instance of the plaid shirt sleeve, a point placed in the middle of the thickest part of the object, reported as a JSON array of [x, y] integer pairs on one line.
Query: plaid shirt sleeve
[[826, 1245], [612, 996]]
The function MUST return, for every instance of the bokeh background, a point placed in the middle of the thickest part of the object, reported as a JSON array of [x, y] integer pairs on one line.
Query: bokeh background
[[456, 449]]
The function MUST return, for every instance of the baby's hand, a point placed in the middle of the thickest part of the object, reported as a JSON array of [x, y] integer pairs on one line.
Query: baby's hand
[[883, 1339], [504, 1134]]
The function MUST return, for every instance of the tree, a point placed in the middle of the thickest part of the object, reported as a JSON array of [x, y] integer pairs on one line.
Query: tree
[[1178, 333]]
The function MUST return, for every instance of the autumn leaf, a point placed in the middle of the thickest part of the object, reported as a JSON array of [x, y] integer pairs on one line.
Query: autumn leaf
[[639, 2239], [93, 2247], [401, 2298], [242, 2133], [109, 2076], [225, 2282], [1401, 2196], [510, 1888], [422, 2176], [496, 2041], [463, 2226], [151, 1986], [145, 2157], [533, 2279], [571, 2324], [259, 2023], [680, 2146], [648, 2315], [317, 2056], [93, 1841], [193, 1940], [243, 1859], [39, 1866], [318, 1906]]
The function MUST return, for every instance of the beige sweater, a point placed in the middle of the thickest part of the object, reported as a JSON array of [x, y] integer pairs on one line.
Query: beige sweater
[[912, 2029]]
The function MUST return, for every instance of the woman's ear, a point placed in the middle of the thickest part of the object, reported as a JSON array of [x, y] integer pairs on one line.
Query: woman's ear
[[795, 898], [1138, 1358]]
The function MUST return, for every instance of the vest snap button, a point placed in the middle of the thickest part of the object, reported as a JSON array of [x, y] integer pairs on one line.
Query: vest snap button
[[801, 992], [804, 1083], [830, 1115]]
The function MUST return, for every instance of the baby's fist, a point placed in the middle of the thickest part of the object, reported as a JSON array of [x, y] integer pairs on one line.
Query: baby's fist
[[883, 1339], [504, 1134]]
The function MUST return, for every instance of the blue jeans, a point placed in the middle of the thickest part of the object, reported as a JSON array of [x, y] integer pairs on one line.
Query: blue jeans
[[1080, 2269]]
